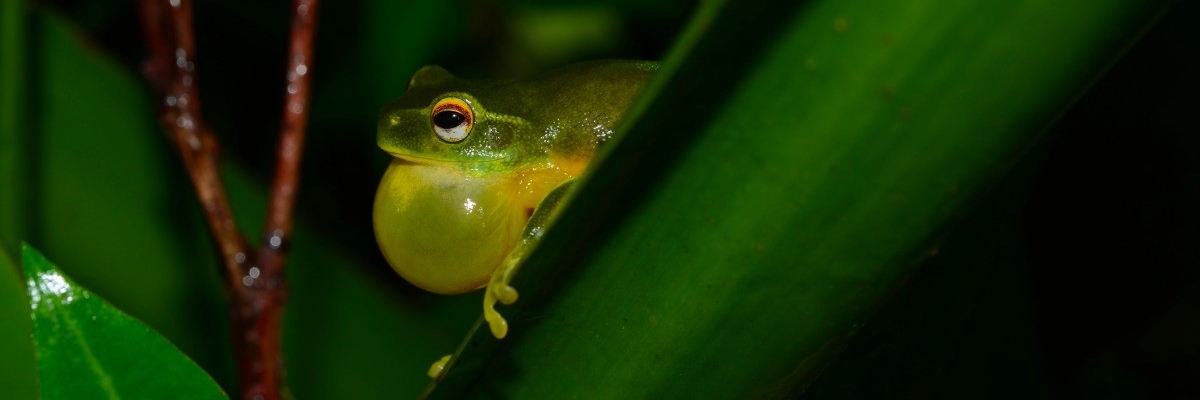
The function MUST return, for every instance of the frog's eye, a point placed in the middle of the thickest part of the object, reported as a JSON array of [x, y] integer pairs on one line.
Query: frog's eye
[[452, 119]]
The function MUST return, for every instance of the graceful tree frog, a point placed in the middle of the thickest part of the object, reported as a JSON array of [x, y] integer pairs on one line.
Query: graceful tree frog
[[480, 167]]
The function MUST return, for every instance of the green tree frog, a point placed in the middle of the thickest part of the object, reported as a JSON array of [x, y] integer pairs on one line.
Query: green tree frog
[[480, 168]]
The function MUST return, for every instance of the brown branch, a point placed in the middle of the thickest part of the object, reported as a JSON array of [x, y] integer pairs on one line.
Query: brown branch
[[278, 227], [270, 292], [255, 280], [171, 69]]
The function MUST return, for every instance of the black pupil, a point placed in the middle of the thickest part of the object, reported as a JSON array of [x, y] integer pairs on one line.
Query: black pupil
[[448, 119]]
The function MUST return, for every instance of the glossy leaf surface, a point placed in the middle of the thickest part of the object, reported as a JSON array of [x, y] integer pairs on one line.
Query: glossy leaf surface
[[87, 349], [779, 184]]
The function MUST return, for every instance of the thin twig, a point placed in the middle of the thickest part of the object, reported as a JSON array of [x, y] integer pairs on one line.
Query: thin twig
[[174, 74], [266, 287], [255, 280], [278, 227], [156, 66]]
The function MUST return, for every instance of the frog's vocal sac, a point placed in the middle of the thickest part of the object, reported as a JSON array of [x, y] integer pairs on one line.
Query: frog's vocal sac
[[479, 168]]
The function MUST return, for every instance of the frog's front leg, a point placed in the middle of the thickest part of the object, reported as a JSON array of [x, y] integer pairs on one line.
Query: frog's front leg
[[498, 288]]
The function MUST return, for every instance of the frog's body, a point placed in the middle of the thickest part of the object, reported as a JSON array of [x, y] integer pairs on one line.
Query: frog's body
[[480, 166]]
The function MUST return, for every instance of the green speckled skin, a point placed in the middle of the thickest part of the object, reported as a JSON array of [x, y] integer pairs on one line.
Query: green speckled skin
[[448, 214], [567, 112]]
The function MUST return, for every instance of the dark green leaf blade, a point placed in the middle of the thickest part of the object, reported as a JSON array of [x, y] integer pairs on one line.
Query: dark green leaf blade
[[88, 349], [13, 161], [797, 163], [110, 198], [17, 373]]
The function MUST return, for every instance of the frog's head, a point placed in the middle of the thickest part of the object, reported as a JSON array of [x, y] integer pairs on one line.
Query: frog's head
[[445, 119]]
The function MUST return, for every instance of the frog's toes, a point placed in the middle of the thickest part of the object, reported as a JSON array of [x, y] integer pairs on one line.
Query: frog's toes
[[498, 290], [496, 322], [438, 367], [504, 293]]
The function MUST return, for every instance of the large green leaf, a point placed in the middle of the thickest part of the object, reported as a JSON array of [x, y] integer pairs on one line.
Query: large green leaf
[[12, 122], [104, 196], [961, 322], [17, 376], [793, 164], [17, 373], [88, 349]]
